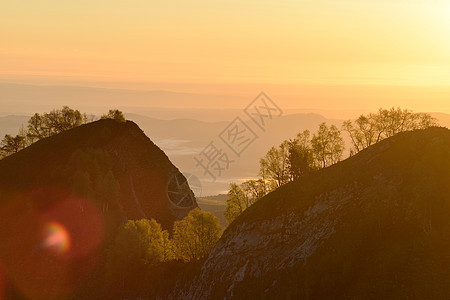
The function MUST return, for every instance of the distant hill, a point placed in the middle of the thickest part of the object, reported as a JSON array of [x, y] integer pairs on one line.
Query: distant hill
[[17, 97], [183, 138], [216, 205], [444, 119], [373, 226], [11, 124]]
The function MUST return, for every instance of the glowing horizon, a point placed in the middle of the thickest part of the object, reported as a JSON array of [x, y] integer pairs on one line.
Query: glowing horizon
[[234, 43]]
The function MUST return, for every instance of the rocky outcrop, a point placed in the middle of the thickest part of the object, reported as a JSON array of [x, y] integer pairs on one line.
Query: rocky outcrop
[[373, 226]]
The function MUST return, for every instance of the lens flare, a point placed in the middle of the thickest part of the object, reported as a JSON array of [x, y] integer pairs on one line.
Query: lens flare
[[56, 238]]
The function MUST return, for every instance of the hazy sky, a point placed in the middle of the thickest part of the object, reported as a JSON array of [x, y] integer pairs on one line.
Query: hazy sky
[[210, 46]]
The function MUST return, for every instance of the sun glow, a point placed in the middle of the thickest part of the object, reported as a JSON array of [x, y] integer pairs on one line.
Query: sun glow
[[236, 48]]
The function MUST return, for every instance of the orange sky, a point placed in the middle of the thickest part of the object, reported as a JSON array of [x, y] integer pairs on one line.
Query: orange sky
[[201, 45]]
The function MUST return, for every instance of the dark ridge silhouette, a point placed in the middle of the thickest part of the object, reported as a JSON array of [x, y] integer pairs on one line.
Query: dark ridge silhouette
[[63, 198], [142, 170], [373, 226]]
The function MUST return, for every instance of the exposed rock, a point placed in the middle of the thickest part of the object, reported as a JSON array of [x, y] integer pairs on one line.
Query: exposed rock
[[373, 226]]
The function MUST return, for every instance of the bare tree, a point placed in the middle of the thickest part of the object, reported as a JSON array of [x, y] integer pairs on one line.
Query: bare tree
[[372, 128]]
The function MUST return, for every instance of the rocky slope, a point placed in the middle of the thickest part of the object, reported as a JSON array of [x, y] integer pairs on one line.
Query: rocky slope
[[374, 226]]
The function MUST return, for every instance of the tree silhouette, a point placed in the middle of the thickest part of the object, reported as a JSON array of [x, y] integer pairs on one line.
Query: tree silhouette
[[114, 114], [372, 128], [327, 145]]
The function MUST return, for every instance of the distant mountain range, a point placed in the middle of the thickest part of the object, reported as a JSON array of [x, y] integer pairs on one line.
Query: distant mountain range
[[182, 139], [215, 204], [25, 98]]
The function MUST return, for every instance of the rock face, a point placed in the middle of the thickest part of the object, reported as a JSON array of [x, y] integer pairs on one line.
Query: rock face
[[148, 185], [374, 226]]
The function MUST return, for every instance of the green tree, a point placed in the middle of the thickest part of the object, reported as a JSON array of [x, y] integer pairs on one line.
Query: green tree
[[237, 202], [327, 145], [114, 114], [195, 236], [242, 197], [139, 245], [167, 247]]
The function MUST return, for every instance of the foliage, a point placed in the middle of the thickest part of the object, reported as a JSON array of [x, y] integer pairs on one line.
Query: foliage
[[142, 250], [242, 197], [372, 128], [114, 114], [301, 156], [139, 245], [12, 144], [47, 124], [237, 202], [327, 145], [397, 215], [36, 128], [255, 189], [298, 157], [291, 160], [295, 158], [195, 235], [141, 240], [54, 122], [273, 166]]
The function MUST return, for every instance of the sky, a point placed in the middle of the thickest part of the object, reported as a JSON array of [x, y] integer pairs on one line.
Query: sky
[[396, 50]]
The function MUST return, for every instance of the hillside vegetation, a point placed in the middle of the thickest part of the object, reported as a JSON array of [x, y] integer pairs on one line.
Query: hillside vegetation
[[373, 226]]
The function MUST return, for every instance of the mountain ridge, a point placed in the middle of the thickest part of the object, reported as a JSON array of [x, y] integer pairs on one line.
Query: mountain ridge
[[373, 226], [31, 166]]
